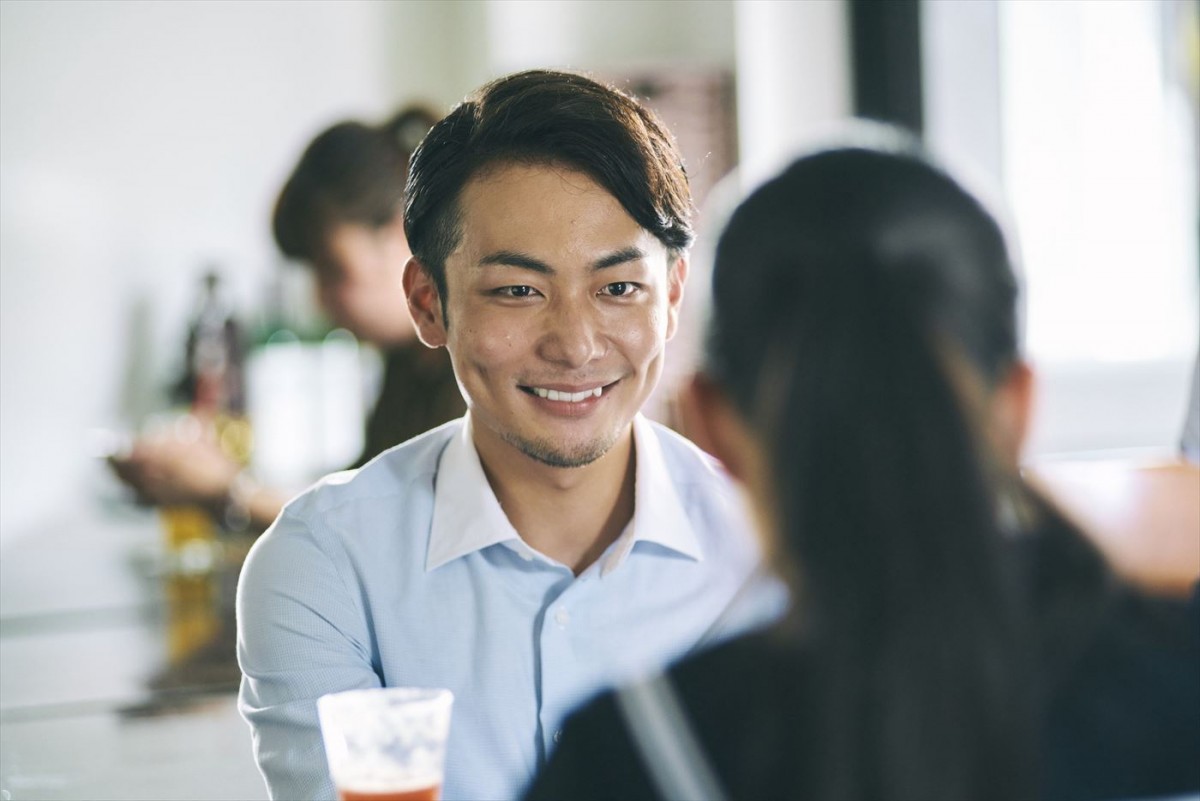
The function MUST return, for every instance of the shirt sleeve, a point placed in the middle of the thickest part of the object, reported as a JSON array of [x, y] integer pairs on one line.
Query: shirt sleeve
[[301, 634]]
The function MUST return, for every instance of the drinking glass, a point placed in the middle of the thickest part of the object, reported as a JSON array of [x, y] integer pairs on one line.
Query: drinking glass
[[386, 744]]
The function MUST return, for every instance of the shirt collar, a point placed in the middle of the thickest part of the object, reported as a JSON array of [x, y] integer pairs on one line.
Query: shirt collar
[[658, 514], [466, 513], [467, 517]]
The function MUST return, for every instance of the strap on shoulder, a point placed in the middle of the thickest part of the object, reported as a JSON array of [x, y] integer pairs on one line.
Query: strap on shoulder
[[666, 741]]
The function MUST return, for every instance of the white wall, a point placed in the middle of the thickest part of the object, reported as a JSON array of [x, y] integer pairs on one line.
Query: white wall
[[793, 77], [438, 47], [136, 141], [450, 47], [609, 35]]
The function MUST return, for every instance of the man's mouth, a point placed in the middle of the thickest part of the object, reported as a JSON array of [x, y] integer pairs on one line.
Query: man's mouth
[[567, 395]]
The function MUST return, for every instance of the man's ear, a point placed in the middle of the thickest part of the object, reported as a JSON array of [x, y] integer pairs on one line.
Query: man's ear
[[676, 278], [424, 303], [712, 423], [1011, 411]]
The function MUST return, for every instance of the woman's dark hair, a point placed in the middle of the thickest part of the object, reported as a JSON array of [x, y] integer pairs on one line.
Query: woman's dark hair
[[843, 291], [352, 172], [550, 117]]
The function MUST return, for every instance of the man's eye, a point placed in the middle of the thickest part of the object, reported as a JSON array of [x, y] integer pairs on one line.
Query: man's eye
[[518, 291], [620, 289]]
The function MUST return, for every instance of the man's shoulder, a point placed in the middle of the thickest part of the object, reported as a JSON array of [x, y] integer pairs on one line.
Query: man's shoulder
[[706, 493], [686, 462], [384, 505], [393, 472]]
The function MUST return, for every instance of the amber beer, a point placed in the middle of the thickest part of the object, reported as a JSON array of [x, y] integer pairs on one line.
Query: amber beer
[[430, 792]]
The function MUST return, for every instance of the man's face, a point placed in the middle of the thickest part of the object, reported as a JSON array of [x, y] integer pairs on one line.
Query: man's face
[[560, 305], [359, 281]]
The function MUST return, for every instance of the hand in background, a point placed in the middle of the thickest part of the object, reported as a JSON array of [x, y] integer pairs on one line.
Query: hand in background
[[167, 470]]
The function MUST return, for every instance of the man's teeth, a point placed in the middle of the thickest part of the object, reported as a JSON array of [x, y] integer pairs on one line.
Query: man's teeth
[[569, 397]]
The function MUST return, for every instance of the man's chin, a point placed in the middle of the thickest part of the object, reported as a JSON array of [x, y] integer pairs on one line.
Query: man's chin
[[555, 455]]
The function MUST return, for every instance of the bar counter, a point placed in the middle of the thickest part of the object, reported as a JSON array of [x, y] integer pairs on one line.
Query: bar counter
[[110, 686]]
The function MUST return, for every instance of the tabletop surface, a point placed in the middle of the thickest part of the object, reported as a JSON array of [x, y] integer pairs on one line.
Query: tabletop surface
[[101, 695], [1143, 513]]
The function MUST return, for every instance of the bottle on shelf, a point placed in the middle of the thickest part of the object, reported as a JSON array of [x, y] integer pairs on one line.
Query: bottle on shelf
[[212, 390]]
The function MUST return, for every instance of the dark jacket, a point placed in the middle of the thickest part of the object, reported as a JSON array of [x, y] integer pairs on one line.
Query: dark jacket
[[1120, 699]]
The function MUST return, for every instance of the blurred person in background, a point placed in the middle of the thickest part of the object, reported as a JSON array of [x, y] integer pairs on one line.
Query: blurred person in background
[[952, 636], [554, 541], [340, 212]]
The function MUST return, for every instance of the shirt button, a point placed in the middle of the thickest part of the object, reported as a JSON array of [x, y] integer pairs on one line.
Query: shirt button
[[527, 556], [562, 617], [558, 736]]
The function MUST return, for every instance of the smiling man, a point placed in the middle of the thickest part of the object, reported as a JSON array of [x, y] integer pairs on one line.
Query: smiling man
[[553, 541]]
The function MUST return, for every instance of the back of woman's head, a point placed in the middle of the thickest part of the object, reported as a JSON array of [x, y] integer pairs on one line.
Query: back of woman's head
[[350, 173], [850, 225], [853, 296]]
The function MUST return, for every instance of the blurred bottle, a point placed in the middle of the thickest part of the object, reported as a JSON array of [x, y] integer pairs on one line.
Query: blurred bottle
[[212, 382], [213, 391]]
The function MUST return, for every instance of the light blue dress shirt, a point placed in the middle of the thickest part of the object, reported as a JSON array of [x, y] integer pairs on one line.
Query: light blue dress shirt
[[407, 573]]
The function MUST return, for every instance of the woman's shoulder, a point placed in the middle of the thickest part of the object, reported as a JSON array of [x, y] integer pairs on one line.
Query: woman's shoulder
[[724, 678], [741, 698], [1124, 720]]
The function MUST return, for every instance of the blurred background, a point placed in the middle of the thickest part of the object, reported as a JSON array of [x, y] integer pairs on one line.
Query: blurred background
[[142, 145]]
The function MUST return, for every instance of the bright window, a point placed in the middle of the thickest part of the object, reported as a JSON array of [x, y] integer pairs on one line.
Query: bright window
[[1099, 165]]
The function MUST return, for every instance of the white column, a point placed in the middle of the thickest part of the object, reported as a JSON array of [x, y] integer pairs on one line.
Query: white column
[[793, 76]]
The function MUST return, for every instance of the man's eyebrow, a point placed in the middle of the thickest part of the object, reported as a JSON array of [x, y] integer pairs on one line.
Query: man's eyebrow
[[621, 256], [511, 258]]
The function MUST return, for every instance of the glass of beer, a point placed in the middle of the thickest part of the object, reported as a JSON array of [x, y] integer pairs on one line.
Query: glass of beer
[[386, 744]]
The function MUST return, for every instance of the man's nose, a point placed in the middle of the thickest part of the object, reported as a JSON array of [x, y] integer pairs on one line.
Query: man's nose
[[572, 337]]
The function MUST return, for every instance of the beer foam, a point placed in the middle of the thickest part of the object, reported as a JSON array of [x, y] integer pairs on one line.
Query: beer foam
[[416, 767], [385, 740]]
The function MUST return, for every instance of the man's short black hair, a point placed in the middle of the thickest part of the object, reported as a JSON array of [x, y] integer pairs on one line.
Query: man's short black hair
[[546, 117]]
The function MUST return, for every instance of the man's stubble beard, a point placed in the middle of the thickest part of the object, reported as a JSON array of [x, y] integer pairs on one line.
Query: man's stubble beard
[[548, 453]]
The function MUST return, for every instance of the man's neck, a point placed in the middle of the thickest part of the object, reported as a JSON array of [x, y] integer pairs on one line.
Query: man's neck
[[569, 514]]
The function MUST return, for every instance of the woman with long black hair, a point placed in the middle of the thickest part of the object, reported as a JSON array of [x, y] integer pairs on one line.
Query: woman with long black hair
[[951, 636]]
